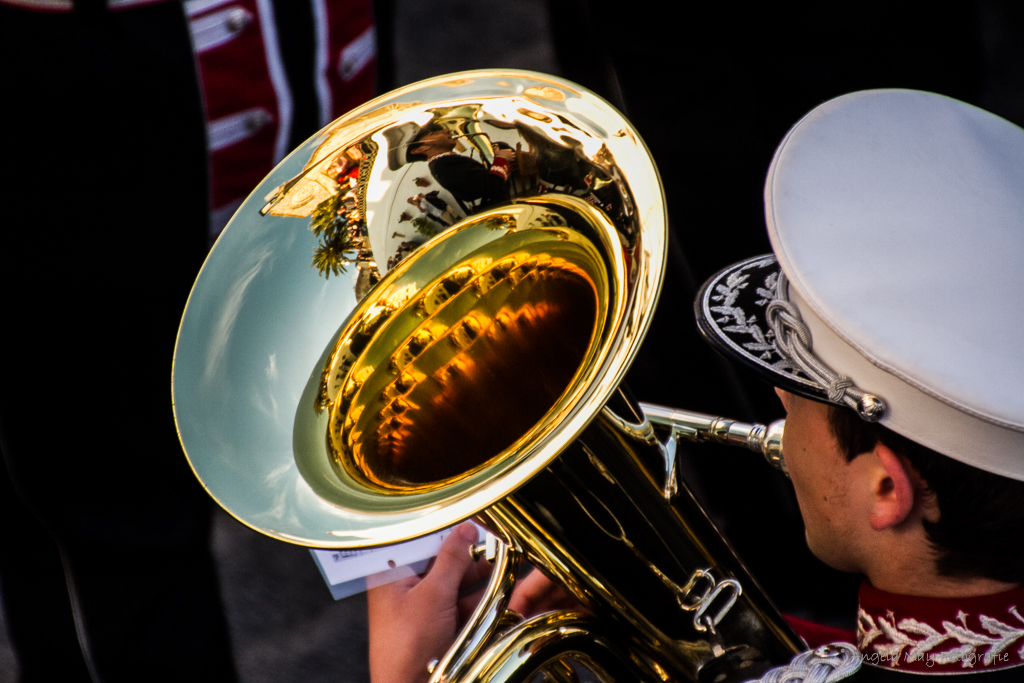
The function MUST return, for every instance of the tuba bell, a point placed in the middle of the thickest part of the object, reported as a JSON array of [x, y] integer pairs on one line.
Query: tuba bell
[[424, 314]]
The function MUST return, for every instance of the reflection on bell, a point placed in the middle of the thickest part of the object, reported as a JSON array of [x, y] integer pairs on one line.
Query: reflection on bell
[[441, 376], [424, 314], [469, 362]]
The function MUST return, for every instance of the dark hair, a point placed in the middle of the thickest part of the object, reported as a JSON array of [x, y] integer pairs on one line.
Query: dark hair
[[981, 515], [426, 130]]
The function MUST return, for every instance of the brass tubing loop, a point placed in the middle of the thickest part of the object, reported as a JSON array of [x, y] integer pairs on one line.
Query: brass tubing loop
[[423, 315]]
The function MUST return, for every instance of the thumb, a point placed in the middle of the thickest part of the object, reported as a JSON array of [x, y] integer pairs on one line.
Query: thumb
[[453, 560]]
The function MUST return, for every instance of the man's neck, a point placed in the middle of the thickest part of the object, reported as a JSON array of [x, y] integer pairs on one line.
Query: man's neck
[[922, 579], [903, 560]]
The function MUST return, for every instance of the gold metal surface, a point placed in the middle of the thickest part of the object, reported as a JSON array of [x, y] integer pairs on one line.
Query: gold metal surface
[[505, 272], [420, 317], [456, 377], [427, 383], [458, 371]]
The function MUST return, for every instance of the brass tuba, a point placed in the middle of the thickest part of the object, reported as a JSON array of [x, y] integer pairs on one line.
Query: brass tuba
[[492, 245]]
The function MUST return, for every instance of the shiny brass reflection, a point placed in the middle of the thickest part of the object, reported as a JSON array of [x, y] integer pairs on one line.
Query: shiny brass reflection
[[429, 390], [442, 164]]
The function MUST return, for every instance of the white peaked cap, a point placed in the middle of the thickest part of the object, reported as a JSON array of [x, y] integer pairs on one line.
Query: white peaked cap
[[897, 218]]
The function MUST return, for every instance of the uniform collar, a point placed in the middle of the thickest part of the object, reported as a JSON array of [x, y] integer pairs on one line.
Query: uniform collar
[[941, 635]]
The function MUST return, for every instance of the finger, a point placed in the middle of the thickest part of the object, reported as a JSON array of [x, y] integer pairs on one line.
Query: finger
[[453, 561], [467, 604], [536, 593], [477, 572], [529, 592]]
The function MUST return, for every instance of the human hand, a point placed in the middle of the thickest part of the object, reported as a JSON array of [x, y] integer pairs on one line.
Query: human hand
[[508, 155], [536, 593], [415, 620]]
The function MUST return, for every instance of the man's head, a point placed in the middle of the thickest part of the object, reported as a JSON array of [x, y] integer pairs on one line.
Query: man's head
[[897, 222], [980, 514], [409, 142], [431, 144]]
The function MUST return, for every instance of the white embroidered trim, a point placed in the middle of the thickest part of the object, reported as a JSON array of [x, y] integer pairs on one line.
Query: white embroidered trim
[[968, 641], [725, 295], [823, 664], [787, 338]]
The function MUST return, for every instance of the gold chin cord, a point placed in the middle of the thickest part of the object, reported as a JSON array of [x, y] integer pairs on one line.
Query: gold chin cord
[[492, 246]]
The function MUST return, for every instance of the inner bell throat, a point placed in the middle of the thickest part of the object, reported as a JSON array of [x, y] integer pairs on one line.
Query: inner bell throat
[[435, 388]]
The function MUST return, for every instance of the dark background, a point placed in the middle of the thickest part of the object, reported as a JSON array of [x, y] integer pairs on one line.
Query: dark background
[[284, 624], [712, 92]]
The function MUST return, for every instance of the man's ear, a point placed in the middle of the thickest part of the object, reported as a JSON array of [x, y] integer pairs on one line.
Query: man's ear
[[893, 490]]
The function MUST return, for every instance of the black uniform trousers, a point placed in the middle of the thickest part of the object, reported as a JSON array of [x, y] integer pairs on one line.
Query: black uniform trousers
[[103, 233]]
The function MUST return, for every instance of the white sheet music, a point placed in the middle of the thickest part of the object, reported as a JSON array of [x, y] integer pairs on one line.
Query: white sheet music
[[348, 572]]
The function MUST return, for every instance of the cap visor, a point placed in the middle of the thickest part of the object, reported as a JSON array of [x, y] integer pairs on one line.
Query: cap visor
[[730, 310]]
